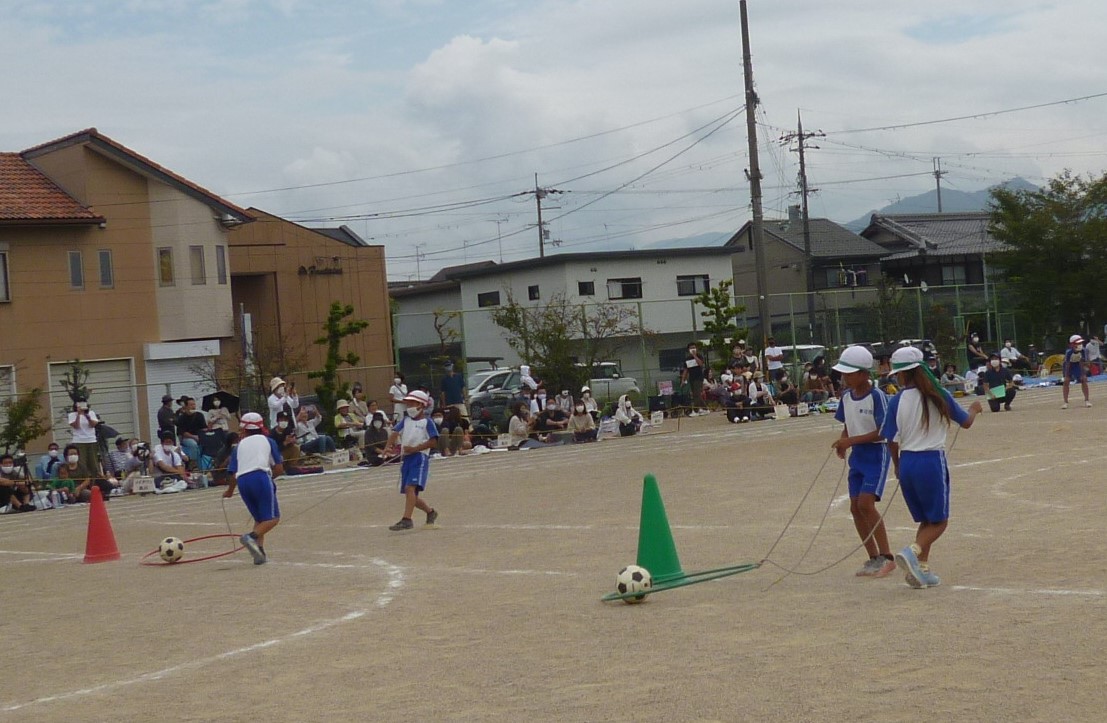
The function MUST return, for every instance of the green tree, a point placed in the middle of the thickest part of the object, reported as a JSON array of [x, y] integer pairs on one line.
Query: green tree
[[336, 328], [893, 319], [1056, 255], [22, 420], [75, 382], [720, 314]]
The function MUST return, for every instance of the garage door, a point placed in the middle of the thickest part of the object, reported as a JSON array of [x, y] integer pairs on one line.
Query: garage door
[[175, 377], [112, 396]]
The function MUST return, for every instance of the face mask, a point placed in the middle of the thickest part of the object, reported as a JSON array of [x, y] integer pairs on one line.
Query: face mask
[[282, 425], [54, 453], [413, 411], [82, 407], [72, 459], [564, 392], [541, 395], [975, 339], [396, 381], [995, 363], [580, 409], [167, 448], [279, 392], [7, 469], [1080, 347], [1008, 345], [216, 403], [437, 420], [550, 407], [378, 423], [692, 350]]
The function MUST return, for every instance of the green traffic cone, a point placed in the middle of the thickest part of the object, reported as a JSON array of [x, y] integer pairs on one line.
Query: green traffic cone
[[656, 550]]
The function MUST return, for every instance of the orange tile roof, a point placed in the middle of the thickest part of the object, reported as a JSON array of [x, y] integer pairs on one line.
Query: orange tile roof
[[28, 196]]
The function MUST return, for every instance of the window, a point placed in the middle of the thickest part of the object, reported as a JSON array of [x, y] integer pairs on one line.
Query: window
[[586, 288], [76, 270], [107, 274], [488, 298], [165, 266], [692, 285], [5, 293], [532, 292], [846, 277], [953, 275], [196, 264], [672, 359], [221, 264], [624, 288]]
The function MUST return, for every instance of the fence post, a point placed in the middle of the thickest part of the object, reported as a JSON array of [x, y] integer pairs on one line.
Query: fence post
[[919, 305], [642, 347]]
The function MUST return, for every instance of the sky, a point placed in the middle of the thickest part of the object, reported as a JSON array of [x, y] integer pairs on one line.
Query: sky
[[421, 124]]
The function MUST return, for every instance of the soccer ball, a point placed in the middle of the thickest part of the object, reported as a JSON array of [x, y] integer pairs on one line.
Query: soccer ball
[[633, 578], [171, 549]]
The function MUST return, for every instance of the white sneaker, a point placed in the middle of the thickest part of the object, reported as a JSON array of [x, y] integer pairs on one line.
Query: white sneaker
[[1087, 403], [1065, 405]]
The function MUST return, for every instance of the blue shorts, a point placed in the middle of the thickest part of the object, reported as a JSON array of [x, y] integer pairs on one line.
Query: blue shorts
[[414, 471], [1072, 371], [868, 468], [924, 479], [259, 493]]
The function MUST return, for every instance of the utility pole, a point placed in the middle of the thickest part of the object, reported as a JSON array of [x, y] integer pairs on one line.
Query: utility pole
[[938, 173], [539, 194], [499, 237], [757, 235], [418, 257], [808, 257]]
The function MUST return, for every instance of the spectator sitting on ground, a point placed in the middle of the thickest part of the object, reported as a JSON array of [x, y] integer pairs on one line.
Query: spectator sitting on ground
[[169, 463], [974, 380], [219, 417], [814, 389], [629, 418], [738, 404], [550, 421], [483, 431], [119, 459], [219, 471], [81, 485], [581, 424], [565, 401], [761, 396], [284, 434], [952, 381], [350, 433], [376, 437], [589, 403], [358, 406], [13, 490], [307, 434], [190, 425], [519, 428], [453, 433], [47, 467], [786, 391]]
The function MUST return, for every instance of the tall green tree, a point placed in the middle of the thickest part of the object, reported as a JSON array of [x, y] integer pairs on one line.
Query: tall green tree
[[330, 389], [22, 420], [720, 321], [1056, 257]]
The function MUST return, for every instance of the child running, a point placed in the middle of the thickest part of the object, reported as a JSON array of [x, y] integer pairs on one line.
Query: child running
[[418, 436], [915, 427], [253, 464], [862, 414]]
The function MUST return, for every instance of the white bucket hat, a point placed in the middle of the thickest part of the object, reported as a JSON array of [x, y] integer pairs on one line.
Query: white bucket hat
[[854, 359], [905, 358]]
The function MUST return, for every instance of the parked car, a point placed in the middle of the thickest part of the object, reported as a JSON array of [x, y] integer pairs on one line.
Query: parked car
[[800, 354], [608, 383]]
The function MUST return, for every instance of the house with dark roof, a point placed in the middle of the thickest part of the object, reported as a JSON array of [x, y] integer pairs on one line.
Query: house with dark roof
[[940, 249]]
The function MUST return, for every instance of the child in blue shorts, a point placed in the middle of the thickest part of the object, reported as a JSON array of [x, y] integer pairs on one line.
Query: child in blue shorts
[[862, 414], [915, 428], [417, 436], [253, 464], [1075, 369]]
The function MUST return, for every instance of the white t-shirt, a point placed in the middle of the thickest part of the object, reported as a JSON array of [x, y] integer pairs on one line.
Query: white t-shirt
[[276, 406], [864, 415], [254, 452], [903, 422], [85, 433], [170, 459], [414, 432], [773, 351], [397, 392]]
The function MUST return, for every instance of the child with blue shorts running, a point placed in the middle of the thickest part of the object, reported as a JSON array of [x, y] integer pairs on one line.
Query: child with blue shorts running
[[417, 436], [861, 413], [253, 464], [915, 428]]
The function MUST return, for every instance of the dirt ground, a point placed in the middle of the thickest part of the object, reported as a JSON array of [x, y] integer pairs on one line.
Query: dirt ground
[[495, 613]]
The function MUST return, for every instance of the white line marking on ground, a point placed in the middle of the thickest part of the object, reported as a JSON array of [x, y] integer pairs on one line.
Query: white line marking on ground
[[993, 461], [395, 582], [1042, 591]]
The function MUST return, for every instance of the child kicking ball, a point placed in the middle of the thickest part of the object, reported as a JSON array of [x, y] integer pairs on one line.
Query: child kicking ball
[[417, 436], [862, 414]]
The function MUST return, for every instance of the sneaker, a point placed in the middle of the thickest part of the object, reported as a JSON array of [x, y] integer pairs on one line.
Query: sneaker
[[884, 567], [870, 567], [404, 524], [264, 558], [432, 517], [1065, 405], [908, 560], [250, 543], [1087, 403], [929, 579]]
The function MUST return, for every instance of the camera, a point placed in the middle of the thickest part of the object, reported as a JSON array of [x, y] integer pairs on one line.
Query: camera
[[142, 451]]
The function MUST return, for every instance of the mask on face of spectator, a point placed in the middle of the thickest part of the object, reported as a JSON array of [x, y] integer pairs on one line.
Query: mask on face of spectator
[[437, 419], [396, 381], [580, 409], [167, 448], [282, 425], [692, 350], [73, 459], [551, 406], [1007, 344], [378, 423], [54, 453], [216, 403], [975, 339], [564, 392], [995, 363], [7, 469]]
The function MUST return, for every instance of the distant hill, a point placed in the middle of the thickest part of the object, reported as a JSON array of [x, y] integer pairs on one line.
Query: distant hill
[[952, 201]]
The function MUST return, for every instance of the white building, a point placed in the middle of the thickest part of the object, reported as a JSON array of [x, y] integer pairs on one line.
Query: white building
[[659, 285]]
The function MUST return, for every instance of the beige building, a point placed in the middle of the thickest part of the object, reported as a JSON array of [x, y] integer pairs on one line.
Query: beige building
[[110, 258]]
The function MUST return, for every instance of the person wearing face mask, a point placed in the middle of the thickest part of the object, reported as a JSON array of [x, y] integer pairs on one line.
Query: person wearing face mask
[[999, 384], [1075, 369], [453, 432], [358, 406], [284, 434], [520, 427], [219, 417], [396, 393], [14, 493], [951, 381], [590, 404], [692, 376], [118, 459], [975, 353], [282, 398], [376, 437], [1010, 354], [169, 463], [581, 424], [550, 421], [47, 467], [565, 401], [307, 435], [629, 418], [349, 430], [191, 423], [82, 423], [417, 437]]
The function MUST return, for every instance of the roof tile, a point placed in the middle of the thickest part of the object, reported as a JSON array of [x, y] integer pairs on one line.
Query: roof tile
[[27, 195]]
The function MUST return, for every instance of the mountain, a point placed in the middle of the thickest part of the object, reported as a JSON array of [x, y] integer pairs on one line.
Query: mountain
[[952, 202]]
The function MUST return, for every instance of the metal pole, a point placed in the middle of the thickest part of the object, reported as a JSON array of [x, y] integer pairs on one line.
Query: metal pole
[[919, 304], [808, 259], [757, 222], [645, 364], [538, 194]]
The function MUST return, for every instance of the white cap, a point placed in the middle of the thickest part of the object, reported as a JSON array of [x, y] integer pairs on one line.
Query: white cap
[[854, 359], [907, 357], [1017, 378], [252, 420], [584, 389], [419, 398], [1075, 339]]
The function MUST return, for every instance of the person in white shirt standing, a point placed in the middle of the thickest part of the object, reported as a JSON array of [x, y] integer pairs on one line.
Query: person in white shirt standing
[[82, 422], [774, 359], [282, 398], [396, 393], [253, 465], [417, 436]]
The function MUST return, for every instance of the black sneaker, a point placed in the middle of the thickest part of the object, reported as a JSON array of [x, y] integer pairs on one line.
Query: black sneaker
[[404, 524], [432, 516]]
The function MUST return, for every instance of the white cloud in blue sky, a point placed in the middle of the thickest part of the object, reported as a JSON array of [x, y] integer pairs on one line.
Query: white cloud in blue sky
[[247, 95]]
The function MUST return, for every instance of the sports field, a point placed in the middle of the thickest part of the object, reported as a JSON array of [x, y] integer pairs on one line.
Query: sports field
[[494, 614]]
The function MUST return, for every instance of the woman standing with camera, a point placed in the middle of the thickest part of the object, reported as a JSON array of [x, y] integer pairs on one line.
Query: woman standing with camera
[[83, 422]]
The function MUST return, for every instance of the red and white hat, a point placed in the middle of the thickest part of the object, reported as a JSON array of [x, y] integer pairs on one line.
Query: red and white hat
[[419, 397], [1075, 339], [252, 420]]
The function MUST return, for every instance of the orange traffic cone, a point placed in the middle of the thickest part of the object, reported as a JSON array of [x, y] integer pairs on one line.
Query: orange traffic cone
[[100, 544]]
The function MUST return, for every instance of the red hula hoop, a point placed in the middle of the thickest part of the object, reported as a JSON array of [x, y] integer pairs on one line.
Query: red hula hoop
[[162, 563]]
